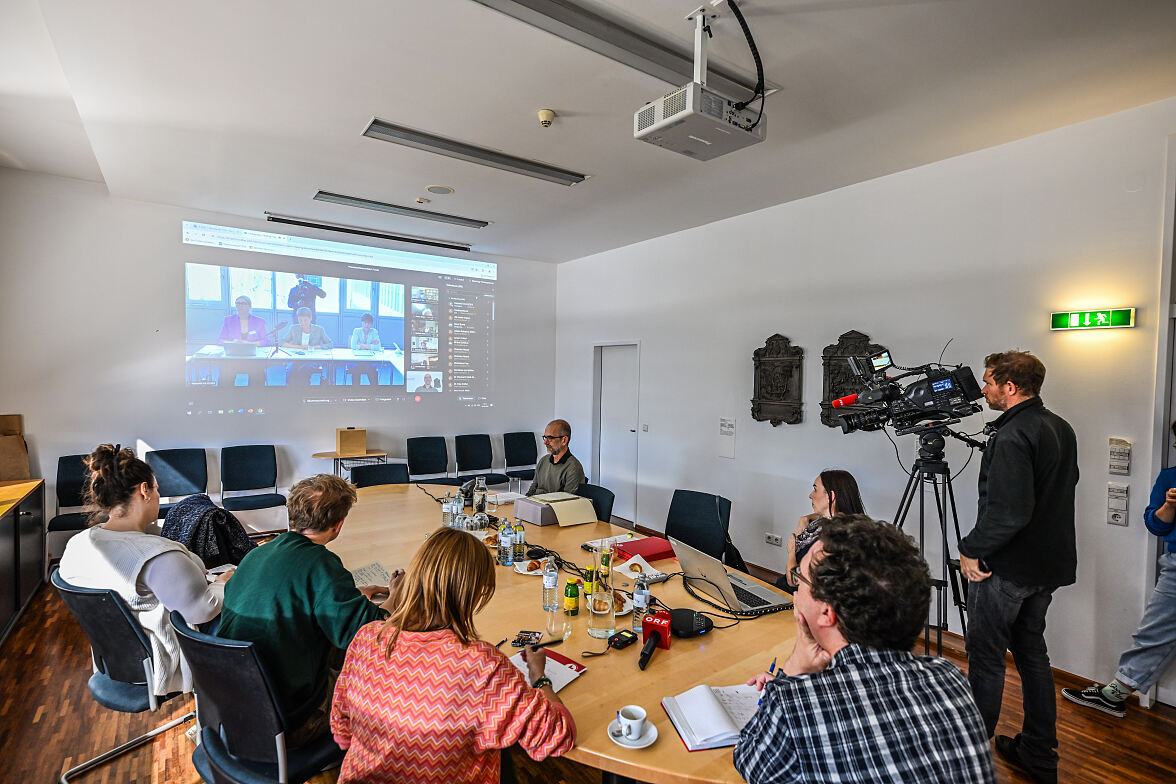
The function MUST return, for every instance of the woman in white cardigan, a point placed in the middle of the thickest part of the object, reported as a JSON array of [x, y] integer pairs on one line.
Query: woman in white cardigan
[[125, 553]]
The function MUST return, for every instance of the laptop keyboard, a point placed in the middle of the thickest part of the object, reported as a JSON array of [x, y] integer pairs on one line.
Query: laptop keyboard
[[748, 598]]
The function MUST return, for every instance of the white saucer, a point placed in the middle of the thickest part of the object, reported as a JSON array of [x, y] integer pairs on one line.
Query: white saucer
[[645, 739]]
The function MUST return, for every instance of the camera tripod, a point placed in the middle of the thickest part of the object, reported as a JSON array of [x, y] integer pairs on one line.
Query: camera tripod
[[931, 466]]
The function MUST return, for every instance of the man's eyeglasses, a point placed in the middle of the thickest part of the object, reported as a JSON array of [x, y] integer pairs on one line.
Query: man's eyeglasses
[[552, 438], [797, 577]]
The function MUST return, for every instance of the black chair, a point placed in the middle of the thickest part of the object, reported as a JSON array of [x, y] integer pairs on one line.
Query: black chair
[[520, 450], [701, 520], [250, 468], [122, 655], [379, 474], [601, 497], [475, 457], [428, 455], [243, 733], [180, 473], [71, 484]]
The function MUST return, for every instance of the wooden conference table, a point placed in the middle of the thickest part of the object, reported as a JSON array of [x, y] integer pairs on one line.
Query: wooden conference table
[[391, 521]]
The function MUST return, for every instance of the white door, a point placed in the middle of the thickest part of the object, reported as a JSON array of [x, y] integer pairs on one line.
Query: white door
[[617, 444]]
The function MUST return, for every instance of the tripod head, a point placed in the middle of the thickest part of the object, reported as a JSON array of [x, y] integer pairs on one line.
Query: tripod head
[[932, 440]]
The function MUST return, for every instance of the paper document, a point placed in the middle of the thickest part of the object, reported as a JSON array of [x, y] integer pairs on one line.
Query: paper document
[[504, 498], [549, 498], [560, 668], [371, 574], [610, 540]]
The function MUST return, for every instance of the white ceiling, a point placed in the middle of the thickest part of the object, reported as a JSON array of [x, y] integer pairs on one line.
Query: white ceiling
[[249, 106]]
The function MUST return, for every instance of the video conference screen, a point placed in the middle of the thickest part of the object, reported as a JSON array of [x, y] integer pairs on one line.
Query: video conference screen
[[335, 322]]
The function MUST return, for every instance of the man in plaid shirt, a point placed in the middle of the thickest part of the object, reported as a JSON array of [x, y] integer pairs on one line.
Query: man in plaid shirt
[[852, 703]]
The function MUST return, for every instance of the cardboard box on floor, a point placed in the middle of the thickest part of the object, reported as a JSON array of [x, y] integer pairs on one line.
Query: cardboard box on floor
[[552, 508], [14, 453]]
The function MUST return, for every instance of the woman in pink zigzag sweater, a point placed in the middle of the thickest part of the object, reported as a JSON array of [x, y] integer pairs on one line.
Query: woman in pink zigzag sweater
[[421, 700]]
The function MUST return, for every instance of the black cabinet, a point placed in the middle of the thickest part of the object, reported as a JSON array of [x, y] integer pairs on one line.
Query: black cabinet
[[22, 547]]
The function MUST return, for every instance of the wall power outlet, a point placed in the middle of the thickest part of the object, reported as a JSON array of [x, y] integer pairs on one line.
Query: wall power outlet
[[773, 539]]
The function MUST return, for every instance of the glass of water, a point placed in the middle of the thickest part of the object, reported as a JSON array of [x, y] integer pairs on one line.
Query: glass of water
[[515, 485]]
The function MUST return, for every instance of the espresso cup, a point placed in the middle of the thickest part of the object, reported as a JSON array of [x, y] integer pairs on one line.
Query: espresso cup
[[632, 720]]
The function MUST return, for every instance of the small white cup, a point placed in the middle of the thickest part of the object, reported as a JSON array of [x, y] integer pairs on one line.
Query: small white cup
[[632, 719]]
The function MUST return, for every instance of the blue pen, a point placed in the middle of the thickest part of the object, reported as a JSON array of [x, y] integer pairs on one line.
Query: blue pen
[[771, 669]]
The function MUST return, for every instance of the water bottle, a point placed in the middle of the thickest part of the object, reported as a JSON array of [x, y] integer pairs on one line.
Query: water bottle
[[506, 543], [447, 511], [640, 601], [480, 494], [550, 585], [520, 542]]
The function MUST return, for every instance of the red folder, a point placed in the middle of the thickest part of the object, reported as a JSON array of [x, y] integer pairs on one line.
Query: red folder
[[651, 548]]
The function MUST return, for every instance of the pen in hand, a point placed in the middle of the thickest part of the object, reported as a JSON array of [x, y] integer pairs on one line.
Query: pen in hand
[[771, 670]]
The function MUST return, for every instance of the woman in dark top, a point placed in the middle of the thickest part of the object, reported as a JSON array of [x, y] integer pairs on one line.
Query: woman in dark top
[[834, 492]]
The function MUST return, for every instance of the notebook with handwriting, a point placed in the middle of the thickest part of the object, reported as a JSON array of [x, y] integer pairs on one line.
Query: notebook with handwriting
[[708, 717]]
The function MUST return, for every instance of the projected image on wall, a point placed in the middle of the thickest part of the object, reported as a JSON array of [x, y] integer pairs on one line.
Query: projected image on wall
[[352, 335]]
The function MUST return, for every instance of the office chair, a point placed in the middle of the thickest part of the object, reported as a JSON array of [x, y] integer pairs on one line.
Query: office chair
[[379, 474], [701, 520], [71, 485], [520, 450], [474, 454], [428, 455], [243, 732], [180, 473], [250, 468], [122, 656], [602, 499]]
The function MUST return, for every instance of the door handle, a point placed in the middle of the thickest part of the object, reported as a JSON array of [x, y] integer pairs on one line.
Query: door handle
[[632, 430]]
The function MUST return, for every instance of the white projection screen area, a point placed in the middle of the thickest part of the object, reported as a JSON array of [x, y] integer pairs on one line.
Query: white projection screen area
[[333, 322]]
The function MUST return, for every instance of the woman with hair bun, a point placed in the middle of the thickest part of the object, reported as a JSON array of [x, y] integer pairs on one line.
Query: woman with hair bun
[[123, 552]]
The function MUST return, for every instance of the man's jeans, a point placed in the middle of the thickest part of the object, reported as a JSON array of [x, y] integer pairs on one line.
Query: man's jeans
[[1003, 615], [1154, 643]]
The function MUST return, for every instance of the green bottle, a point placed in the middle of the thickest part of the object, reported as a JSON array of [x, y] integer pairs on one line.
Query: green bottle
[[571, 605]]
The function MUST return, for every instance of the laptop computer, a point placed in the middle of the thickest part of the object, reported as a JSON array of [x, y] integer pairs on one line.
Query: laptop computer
[[733, 589], [240, 350]]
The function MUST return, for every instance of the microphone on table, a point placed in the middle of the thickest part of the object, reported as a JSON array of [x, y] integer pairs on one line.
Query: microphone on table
[[655, 629]]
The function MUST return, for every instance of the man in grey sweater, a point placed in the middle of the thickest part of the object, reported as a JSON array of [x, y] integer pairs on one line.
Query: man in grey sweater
[[558, 470]]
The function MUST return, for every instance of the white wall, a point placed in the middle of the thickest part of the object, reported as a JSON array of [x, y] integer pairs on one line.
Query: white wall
[[93, 338], [978, 248]]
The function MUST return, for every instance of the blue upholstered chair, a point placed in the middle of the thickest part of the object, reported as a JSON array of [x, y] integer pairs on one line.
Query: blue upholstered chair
[[379, 474], [71, 484], [123, 660], [427, 456], [701, 520], [180, 473], [475, 457], [243, 732], [520, 450], [601, 497], [250, 467]]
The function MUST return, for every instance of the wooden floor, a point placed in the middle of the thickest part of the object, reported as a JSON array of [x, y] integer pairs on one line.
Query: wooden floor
[[48, 723]]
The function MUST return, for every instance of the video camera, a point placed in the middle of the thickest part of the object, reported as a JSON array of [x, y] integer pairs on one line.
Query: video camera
[[944, 396]]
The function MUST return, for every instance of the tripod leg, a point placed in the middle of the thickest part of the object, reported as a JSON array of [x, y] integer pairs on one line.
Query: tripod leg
[[904, 506], [960, 590]]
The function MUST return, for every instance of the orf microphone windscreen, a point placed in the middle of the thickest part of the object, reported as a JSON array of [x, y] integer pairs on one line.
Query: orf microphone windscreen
[[848, 400]]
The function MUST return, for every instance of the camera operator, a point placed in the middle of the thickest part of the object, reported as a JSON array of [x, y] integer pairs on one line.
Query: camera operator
[[1021, 550]]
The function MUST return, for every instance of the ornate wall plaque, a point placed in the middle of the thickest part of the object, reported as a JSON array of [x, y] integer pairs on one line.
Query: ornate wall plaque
[[777, 385], [839, 379]]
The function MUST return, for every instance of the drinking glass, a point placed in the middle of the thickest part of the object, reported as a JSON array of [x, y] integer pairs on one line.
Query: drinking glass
[[602, 621], [515, 485]]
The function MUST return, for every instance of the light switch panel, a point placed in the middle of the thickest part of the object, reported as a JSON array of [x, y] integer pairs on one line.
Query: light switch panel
[[1116, 503]]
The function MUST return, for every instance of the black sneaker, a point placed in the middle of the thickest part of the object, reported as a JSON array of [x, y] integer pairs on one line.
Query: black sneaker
[[1092, 697], [1009, 749]]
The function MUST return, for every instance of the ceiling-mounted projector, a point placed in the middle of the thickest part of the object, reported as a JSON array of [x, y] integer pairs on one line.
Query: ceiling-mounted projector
[[695, 120]]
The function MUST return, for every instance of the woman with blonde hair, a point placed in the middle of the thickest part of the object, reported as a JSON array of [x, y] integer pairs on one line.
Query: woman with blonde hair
[[421, 699]]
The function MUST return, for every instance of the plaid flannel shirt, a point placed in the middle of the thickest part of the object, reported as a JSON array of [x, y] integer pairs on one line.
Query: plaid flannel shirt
[[872, 716]]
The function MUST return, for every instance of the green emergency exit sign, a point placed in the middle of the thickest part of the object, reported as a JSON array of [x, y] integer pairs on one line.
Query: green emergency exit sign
[[1106, 318]]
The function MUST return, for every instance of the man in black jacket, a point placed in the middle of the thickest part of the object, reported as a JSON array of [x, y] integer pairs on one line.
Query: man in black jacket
[[1021, 550]]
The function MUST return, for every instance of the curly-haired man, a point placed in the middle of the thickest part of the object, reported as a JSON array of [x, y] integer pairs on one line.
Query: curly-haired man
[[852, 703]]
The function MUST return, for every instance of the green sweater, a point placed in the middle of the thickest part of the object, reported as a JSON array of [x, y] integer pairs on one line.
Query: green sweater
[[294, 600]]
